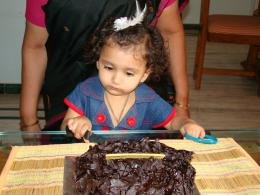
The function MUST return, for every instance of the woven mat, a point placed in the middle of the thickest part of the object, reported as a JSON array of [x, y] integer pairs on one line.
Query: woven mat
[[224, 168]]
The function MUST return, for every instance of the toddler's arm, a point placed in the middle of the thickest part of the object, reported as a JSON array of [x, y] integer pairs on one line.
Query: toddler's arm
[[76, 123]]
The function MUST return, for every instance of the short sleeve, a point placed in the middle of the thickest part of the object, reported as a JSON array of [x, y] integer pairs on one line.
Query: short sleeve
[[164, 4], [34, 12], [77, 100], [183, 4], [161, 112]]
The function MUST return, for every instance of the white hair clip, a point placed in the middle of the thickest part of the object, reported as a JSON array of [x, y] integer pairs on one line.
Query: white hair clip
[[124, 22]]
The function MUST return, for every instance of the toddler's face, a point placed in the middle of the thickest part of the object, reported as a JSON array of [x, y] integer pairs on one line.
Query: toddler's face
[[121, 70]]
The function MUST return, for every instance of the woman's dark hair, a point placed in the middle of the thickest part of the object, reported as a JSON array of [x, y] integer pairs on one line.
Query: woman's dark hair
[[140, 34]]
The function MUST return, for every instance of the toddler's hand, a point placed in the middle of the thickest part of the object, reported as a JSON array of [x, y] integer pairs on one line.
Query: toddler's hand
[[79, 125], [193, 129]]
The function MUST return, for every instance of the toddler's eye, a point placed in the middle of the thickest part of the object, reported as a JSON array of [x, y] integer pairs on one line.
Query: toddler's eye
[[108, 67], [129, 73]]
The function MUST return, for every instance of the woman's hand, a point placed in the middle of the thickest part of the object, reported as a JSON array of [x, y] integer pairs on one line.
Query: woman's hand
[[193, 129], [79, 126]]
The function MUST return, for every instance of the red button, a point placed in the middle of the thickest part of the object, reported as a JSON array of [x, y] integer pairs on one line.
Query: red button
[[131, 121], [101, 118], [104, 128]]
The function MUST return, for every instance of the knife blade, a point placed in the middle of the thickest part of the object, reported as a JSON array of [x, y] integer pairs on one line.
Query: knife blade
[[101, 135]]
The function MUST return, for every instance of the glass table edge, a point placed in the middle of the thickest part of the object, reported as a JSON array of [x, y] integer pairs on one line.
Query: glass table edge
[[112, 132]]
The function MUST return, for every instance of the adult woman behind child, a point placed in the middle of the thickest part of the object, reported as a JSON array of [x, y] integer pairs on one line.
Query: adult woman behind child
[[126, 53], [52, 51]]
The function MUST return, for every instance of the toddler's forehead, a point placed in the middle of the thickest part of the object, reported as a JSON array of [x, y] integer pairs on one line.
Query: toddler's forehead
[[138, 50]]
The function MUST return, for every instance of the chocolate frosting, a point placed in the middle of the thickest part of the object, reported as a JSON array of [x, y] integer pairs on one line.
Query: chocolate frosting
[[170, 175]]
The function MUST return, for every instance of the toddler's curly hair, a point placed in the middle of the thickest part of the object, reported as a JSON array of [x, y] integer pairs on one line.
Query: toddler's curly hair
[[155, 52]]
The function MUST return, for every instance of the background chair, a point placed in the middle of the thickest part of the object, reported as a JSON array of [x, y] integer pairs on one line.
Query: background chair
[[239, 29], [252, 58]]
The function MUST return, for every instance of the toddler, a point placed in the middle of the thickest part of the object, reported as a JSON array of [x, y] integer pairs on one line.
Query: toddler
[[127, 53]]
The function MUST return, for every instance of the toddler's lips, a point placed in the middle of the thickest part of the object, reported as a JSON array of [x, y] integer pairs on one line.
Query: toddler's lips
[[114, 89]]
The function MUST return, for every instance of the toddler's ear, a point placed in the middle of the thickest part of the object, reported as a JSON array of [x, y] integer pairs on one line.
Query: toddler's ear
[[146, 75], [97, 64]]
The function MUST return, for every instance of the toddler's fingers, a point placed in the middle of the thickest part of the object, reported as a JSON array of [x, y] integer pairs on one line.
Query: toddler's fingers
[[195, 133], [90, 127], [182, 130], [71, 124], [202, 133], [86, 128], [81, 129], [77, 135]]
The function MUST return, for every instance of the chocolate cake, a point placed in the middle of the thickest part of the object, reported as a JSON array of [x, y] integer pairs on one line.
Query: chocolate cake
[[171, 175]]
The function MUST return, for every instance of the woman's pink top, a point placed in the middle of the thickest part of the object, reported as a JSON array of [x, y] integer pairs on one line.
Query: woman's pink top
[[163, 5], [35, 15]]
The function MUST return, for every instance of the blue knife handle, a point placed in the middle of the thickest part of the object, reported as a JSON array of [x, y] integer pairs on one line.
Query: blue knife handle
[[208, 139]]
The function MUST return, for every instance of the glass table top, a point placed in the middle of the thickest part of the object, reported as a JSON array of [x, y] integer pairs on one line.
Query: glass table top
[[249, 139], [10, 138]]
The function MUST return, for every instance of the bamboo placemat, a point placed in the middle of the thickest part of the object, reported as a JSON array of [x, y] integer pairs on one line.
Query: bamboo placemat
[[224, 168]]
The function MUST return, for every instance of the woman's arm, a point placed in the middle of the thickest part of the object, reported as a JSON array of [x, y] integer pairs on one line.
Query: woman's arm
[[171, 28], [34, 60]]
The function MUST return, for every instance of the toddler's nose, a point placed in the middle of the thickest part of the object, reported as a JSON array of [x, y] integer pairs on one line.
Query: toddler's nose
[[116, 78]]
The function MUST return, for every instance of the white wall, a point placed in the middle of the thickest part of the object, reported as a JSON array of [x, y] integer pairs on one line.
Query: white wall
[[12, 27], [192, 11], [11, 33]]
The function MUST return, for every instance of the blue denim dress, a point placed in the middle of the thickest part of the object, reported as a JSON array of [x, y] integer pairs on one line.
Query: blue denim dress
[[149, 111]]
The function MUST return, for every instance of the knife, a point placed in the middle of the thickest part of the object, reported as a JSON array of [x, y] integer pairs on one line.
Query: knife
[[124, 132], [100, 136]]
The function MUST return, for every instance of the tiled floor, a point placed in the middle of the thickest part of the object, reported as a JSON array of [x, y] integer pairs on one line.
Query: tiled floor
[[222, 103]]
